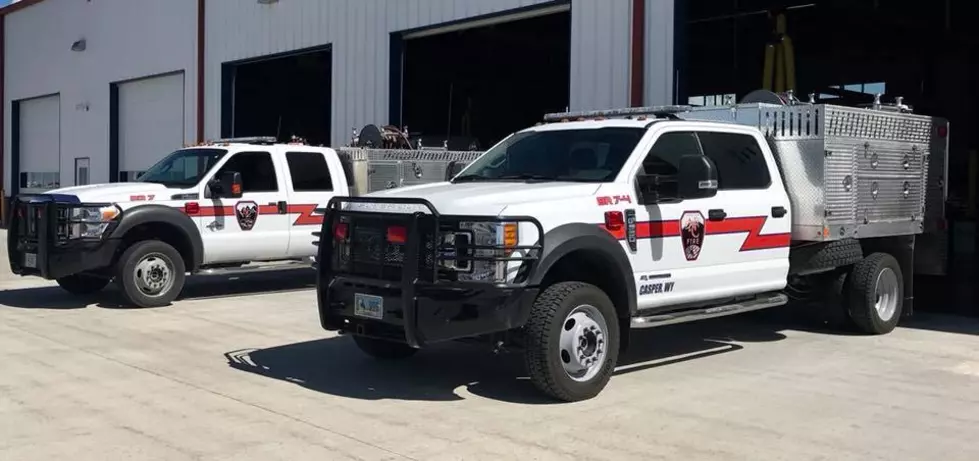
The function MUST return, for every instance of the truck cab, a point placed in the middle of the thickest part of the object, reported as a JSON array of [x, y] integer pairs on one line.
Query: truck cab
[[212, 206]]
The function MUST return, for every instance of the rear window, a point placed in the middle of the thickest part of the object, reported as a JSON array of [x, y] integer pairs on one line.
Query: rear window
[[739, 160], [309, 172]]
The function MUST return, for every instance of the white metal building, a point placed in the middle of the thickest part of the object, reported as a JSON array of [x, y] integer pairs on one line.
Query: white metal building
[[96, 91]]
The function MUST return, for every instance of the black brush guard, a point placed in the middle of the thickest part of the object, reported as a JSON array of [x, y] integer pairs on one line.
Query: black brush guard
[[39, 226], [451, 309]]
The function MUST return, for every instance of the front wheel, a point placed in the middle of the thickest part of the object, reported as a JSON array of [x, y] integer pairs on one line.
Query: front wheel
[[151, 273], [572, 341], [82, 284]]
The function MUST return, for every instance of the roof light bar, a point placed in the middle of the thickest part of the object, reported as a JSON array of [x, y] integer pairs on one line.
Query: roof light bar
[[655, 111], [249, 140]]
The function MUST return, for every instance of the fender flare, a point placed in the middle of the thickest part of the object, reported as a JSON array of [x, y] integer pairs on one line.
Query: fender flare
[[567, 238], [144, 214]]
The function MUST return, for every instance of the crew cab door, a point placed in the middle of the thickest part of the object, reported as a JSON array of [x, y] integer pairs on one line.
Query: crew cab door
[[699, 250], [254, 227], [311, 185]]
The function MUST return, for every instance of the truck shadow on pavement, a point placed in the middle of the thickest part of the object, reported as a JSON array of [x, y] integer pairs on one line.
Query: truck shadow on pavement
[[197, 288], [457, 371]]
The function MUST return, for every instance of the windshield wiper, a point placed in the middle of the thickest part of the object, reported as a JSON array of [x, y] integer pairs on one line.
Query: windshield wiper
[[469, 177], [528, 177]]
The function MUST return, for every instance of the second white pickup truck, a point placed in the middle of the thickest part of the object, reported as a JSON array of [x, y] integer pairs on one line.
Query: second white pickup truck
[[212, 208]]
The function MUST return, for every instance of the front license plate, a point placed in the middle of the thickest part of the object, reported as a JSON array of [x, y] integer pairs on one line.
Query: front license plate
[[368, 306], [30, 260]]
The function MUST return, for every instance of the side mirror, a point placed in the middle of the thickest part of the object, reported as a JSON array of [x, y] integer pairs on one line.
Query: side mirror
[[453, 169], [697, 177], [226, 185]]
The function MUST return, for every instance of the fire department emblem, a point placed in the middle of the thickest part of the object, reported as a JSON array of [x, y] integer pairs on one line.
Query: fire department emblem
[[247, 214], [692, 234]]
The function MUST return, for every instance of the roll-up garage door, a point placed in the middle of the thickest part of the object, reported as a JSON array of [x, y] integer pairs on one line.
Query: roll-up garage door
[[39, 144], [151, 122]]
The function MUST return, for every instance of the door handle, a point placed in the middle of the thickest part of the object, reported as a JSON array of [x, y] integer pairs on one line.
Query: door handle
[[282, 207], [716, 215], [779, 211]]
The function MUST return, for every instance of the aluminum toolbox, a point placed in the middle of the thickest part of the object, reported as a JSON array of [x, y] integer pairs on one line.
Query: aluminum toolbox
[[851, 172], [370, 170]]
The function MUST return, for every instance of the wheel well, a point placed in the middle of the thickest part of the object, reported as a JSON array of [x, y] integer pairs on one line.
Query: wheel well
[[593, 267], [164, 232]]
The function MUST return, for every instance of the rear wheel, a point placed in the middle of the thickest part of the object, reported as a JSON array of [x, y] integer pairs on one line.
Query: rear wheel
[[384, 350], [876, 293], [572, 341], [151, 273], [82, 284]]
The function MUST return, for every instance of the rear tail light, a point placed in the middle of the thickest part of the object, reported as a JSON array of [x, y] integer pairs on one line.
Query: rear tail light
[[340, 231], [397, 235], [942, 131]]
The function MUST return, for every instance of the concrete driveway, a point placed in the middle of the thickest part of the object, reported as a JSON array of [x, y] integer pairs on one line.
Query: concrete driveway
[[241, 370]]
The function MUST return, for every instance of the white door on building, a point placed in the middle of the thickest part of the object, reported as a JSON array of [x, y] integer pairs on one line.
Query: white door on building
[[151, 122], [39, 148]]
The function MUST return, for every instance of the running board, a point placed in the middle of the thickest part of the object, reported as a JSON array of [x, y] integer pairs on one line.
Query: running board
[[257, 267], [759, 303]]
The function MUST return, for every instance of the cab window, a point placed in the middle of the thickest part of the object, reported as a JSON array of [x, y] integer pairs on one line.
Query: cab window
[[257, 171], [309, 172], [664, 157]]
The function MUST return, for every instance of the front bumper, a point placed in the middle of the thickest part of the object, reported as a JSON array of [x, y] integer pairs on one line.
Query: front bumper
[[410, 300], [35, 247], [425, 314]]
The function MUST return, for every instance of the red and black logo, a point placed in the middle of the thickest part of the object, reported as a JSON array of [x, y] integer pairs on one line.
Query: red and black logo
[[692, 226], [247, 214]]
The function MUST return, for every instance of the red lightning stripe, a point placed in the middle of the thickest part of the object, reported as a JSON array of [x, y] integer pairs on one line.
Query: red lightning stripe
[[306, 216], [750, 225], [305, 212]]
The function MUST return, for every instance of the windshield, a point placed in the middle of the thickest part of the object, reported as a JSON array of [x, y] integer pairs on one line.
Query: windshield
[[579, 155], [183, 168]]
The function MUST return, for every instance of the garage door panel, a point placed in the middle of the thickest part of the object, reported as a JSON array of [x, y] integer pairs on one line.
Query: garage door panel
[[39, 148], [151, 121]]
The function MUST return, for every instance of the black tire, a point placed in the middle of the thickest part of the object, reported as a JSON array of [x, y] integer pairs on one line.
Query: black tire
[[82, 284], [384, 350], [869, 284], [544, 357], [830, 255], [154, 252]]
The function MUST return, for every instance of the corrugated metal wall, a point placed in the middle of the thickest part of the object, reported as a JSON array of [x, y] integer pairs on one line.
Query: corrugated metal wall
[[359, 32], [125, 39], [658, 61]]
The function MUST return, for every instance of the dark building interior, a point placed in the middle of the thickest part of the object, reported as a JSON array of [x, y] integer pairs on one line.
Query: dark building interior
[[845, 51]]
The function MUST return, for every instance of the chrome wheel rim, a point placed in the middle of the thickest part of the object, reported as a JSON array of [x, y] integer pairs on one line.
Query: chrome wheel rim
[[888, 294], [583, 343], [154, 275]]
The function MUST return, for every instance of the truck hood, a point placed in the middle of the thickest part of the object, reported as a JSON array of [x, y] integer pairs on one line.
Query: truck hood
[[114, 192], [482, 198]]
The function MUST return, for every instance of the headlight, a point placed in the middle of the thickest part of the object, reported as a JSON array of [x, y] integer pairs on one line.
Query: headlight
[[90, 222], [470, 250]]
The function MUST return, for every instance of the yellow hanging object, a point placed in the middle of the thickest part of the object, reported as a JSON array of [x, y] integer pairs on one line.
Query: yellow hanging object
[[779, 71]]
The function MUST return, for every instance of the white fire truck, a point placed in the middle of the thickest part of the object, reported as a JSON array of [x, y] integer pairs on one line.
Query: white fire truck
[[565, 236]]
